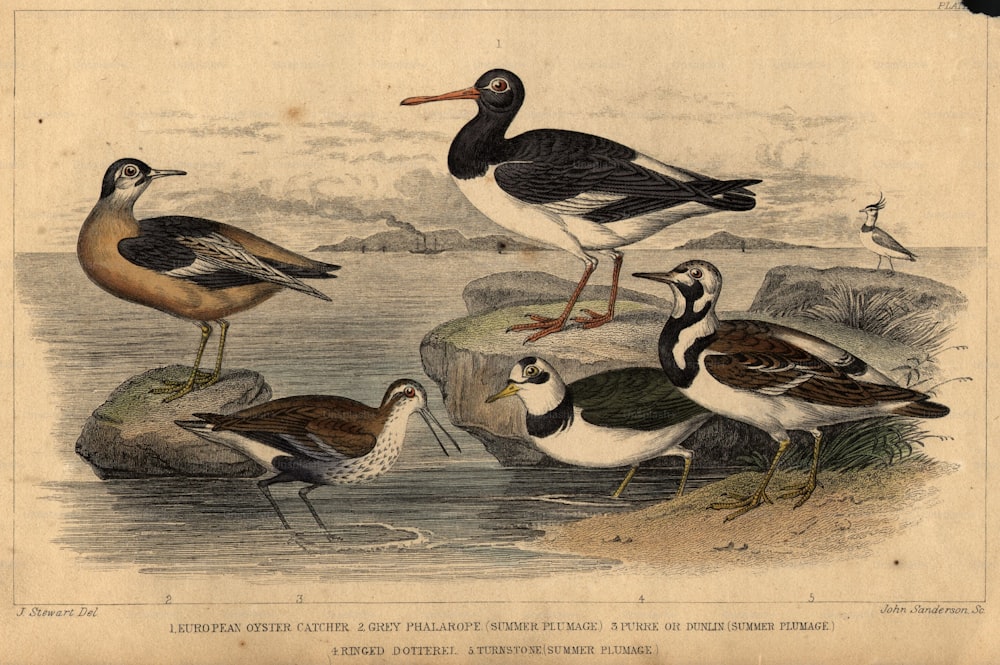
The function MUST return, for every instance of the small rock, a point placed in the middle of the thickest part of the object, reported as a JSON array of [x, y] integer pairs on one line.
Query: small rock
[[133, 434]]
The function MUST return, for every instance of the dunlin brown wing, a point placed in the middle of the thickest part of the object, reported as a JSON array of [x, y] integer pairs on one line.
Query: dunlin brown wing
[[317, 426]]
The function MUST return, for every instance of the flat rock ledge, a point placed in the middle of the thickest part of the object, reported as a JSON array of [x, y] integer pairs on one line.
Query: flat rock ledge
[[133, 434], [525, 287], [470, 358]]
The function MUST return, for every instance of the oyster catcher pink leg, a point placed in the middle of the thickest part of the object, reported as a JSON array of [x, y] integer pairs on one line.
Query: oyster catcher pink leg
[[572, 191]]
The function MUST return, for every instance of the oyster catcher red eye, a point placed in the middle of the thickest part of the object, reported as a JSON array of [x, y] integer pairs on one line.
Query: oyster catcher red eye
[[577, 192]]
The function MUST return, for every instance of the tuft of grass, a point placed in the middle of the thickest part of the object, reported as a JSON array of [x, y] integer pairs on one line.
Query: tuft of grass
[[883, 313], [876, 442]]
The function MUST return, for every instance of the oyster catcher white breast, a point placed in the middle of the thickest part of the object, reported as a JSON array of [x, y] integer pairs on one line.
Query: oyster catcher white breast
[[577, 192]]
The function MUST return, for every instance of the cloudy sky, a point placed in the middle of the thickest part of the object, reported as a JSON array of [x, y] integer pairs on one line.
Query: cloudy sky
[[289, 124]]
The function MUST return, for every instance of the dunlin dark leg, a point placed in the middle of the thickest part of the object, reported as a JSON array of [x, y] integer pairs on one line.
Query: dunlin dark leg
[[264, 484], [302, 493]]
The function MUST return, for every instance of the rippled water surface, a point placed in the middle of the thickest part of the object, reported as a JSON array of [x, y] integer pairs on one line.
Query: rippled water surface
[[430, 516]]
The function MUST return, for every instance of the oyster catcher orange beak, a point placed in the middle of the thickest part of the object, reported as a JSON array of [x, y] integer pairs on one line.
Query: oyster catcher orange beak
[[577, 192], [467, 93]]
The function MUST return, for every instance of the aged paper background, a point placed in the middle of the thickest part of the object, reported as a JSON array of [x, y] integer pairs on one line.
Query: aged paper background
[[209, 60]]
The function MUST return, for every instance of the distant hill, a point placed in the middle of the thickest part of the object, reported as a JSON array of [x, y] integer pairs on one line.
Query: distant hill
[[411, 240], [726, 240]]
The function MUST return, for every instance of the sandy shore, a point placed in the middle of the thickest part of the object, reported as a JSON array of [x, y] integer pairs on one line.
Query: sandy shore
[[847, 514]]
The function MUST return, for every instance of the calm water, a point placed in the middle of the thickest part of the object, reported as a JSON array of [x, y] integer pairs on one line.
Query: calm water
[[430, 516]]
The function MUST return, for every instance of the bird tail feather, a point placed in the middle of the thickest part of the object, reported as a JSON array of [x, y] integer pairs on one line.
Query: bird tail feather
[[200, 427], [734, 194], [315, 272], [305, 288], [922, 409]]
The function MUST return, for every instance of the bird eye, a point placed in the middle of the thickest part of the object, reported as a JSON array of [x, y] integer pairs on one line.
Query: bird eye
[[696, 273], [410, 392], [499, 85], [531, 371], [130, 171]]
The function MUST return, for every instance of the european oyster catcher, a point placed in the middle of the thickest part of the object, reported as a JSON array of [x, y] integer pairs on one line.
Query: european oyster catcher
[[769, 376], [189, 267], [320, 439], [580, 193]]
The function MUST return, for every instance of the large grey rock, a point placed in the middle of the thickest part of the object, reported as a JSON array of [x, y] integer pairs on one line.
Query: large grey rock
[[906, 308], [133, 434], [470, 358]]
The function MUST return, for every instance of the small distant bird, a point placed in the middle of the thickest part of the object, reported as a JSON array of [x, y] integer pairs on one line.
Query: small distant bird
[[616, 418], [879, 241], [189, 267], [320, 439], [576, 192], [769, 376]]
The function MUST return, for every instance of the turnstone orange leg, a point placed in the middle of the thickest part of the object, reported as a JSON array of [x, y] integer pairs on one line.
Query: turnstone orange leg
[[758, 497]]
